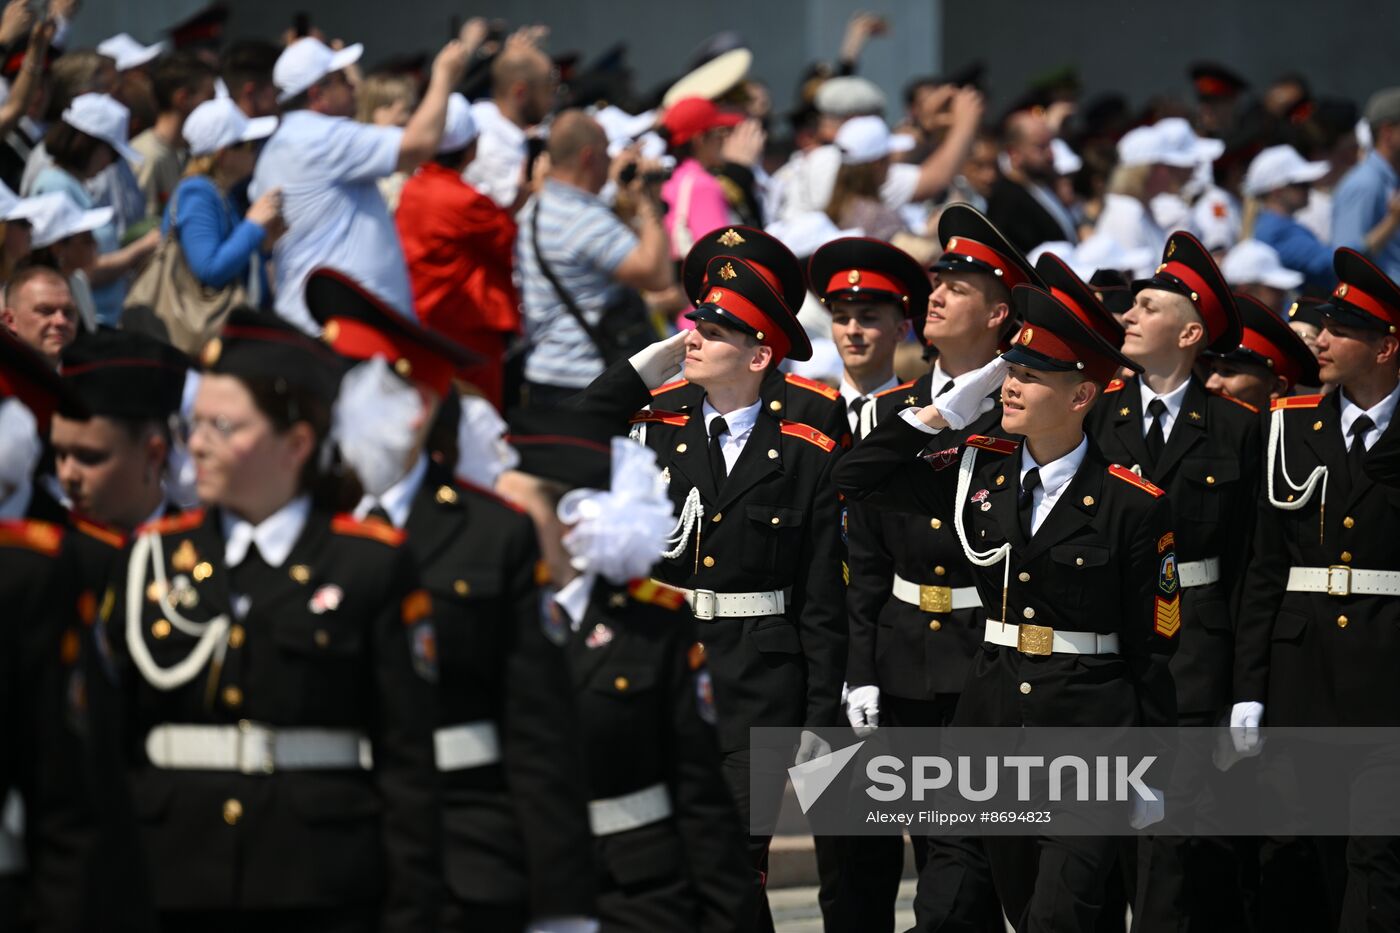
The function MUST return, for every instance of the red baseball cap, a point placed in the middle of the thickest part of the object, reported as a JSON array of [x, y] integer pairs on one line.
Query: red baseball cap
[[688, 118]]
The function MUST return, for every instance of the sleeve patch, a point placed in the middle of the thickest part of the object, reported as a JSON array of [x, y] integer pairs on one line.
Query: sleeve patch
[[942, 459], [812, 385], [1167, 580], [1167, 616]]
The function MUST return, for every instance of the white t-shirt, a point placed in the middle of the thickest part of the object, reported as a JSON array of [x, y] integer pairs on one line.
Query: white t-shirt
[[328, 169], [501, 150], [1130, 225]]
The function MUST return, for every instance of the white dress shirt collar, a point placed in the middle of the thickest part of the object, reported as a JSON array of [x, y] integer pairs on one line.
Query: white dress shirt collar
[[1379, 413], [740, 422], [397, 500], [1055, 477], [850, 393], [274, 535], [573, 598], [1172, 400]]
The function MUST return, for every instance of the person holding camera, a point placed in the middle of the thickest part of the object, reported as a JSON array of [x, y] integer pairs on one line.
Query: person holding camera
[[581, 267]]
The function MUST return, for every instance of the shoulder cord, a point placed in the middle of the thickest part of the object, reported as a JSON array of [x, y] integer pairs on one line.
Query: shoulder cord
[[980, 558], [692, 513], [1304, 492], [210, 634]]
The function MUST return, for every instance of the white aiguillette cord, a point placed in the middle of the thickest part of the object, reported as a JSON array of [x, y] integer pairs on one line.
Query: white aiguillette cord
[[692, 513], [210, 634], [1302, 494], [980, 558]]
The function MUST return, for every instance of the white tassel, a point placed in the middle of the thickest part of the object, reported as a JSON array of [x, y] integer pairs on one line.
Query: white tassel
[[1302, 494], [211, 634], [692, 513]]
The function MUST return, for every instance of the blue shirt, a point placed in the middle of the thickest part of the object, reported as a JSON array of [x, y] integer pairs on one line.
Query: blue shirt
[[218, 245], [1298, 248], [1359, 203]]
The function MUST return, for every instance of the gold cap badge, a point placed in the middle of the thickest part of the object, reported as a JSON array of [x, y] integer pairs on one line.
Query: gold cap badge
[[727, 272], [730, 237]]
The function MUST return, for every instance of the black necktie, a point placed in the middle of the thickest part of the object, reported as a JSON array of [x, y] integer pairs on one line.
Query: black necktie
[[1025, 503], [1156, 439], [1356, 454], [857, 407], [379, 514], [717, 468], [946, 386]]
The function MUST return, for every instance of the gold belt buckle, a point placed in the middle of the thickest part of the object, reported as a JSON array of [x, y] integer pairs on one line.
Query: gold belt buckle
[[935, 598], [1034, 639], [1339, 580]]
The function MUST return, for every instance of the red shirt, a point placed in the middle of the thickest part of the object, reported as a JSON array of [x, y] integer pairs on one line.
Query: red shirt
[[458, 244]]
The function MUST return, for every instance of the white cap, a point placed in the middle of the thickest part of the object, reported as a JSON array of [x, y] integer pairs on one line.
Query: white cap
[[1099, 251], [1278, 166], [1168, 142], [712, 79], [459, 129], [56, 216], [103, 117], [127, 52], [807, 232], [849, 96], [1250, 262], [866, 139], [307, 61], [218, 123], [622, 127], [1067, 162]]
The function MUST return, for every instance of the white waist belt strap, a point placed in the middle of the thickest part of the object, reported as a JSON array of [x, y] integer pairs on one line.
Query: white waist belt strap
[[1009, 633], [708, 605], [1198, 572], [934, 598], [630, 811], [252, 748], [469, 745], [1343, 581]]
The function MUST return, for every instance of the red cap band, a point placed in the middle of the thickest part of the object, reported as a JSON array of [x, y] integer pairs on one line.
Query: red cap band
[[848, 280], [1283, 364], [748, 312], [1010, 273], [1202, 296], [1367, 302], [410, 359], [1051, 345]]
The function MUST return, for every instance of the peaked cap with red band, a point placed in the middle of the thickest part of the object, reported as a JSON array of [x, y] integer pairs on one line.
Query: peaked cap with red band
[[30, 378], [124, 374], [1268, 341], [767, 254], [360, 326], [1053, 338], [1365, 296], [972, 244], [861, 269], [257, 345], [567, 445], [1188, 269], [1076, 295], [739, 296]]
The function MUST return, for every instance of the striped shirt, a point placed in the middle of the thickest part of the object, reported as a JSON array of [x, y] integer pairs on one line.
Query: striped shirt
[[583, 242]]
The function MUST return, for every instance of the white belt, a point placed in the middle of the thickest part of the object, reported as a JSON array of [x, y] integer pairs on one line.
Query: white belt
[[469, 745], [630, 811], [1198, 572], [252, 748], [1040, 639], [708, 605], [934, 598], [1343, 581]]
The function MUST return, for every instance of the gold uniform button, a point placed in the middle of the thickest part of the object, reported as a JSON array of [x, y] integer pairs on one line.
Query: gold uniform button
[[236, 635], [935, 524], [1025, 687], [322, 638], [446, 495], [233, 811], [1348, 522], [622, 683], [708, 562], [1088, 500], [775, 405], [202, 571], [160, 628], [717, 516], [1341, 621], [934, 625], [300, 573], [772, 454], [1210, 480], [1023, 577], [680, 448], [1028, 612], [773, 520], [461, 587], [1346, 557], [233, 697], [939, 571], [1317, 425], [1079, 562], [1001, 480]]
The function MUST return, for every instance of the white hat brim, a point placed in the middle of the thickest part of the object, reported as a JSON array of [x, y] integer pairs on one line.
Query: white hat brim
[[258, 128], [711, 79]]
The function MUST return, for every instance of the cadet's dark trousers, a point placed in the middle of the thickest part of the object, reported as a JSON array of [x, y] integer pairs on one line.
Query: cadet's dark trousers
[[769, 778], [1049, 884]]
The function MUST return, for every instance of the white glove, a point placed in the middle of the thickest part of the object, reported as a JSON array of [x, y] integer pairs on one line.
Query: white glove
[[658, 362], [961, 404], [1244, 726], [863, 709], [563, 925], [1147, 812], [812, 746]]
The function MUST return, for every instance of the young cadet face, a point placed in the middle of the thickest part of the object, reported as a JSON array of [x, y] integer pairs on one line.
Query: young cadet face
[[866, 333], [1249, 382], [1037, 402], [1346, 354], [1158, 326], [109, 471], [963, 307], [716, 355]]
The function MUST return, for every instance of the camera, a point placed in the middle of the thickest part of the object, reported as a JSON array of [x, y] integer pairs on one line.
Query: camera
[[656, 177]]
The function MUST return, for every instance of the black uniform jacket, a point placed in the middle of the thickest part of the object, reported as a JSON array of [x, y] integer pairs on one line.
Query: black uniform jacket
[[785, 395], [774, 524], [1209, 470]]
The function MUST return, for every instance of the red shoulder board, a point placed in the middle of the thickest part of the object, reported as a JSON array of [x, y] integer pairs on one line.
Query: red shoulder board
[[997, 445], [347, 524], [488, 493], [656, 593], [899, 388], [812, 385], [1132, 479], [31, 536], [678, 384], [174, 524], [809, 434], [108, 536], [1297, 401], [1113, 386], [1230, 398], [654, 416]]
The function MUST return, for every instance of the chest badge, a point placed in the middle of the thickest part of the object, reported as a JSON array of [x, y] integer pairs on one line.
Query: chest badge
[[326, 599], [600, 636], [184, 557]]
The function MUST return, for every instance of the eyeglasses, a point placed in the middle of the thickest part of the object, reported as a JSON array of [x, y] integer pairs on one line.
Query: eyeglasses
[[222, 427]]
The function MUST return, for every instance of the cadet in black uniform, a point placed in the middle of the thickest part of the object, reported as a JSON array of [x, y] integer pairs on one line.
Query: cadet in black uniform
[[1317, 641], [758, 551], [1270, 362], [1070, 555], [280, 670], [516, 840], [786, 395], [669, 845]]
